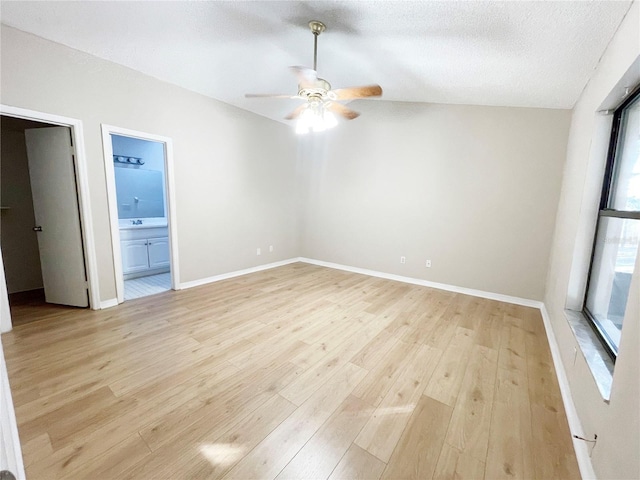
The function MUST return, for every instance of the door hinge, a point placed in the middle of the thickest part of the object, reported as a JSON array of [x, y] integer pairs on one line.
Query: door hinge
[[86, 285]]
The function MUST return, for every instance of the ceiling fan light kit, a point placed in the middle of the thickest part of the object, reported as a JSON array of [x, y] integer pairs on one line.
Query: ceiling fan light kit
[[315, 118], [322, 105]]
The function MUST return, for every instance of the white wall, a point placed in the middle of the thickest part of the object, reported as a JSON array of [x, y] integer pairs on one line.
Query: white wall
[[19, 241], [617, 424], [234, 171], [474, 189]]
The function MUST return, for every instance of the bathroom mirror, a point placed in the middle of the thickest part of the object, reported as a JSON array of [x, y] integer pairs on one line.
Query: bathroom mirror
[[140, 193]]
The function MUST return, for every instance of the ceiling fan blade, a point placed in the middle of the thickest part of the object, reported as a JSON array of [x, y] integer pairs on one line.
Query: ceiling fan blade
[[269, 95], [341, 110], [296, 113], [307, 77], [357, 92]]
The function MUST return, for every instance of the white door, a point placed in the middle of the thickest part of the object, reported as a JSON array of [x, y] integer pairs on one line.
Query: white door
[[55, 204], [135, 257], [158, 252]]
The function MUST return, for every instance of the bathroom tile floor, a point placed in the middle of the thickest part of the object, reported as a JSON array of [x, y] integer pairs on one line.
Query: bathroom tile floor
[[144, 286]]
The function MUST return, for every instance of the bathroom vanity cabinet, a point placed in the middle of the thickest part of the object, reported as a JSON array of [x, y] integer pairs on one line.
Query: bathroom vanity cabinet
[[145, 251]]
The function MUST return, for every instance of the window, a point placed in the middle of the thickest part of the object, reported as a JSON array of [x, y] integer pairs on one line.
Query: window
[[618, 231]]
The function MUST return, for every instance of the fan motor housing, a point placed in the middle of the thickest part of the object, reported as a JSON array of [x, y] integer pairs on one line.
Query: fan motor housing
[[320, 88]]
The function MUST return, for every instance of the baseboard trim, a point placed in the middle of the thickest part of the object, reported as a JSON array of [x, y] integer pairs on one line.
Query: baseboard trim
[[575, 426], [425, 283], [237, 273], [112, 302], [11, 452]]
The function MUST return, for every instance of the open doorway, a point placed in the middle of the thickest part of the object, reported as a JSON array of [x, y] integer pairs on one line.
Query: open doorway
[[41, 232], [19, 242], [139, 180]]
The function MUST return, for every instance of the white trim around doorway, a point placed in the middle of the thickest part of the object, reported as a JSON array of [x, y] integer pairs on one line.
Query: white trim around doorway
[[107, 131], [82, 179]]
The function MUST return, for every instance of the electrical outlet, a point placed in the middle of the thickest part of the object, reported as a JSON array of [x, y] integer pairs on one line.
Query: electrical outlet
[[258, 252], [428, 264], [271, 248], [403, 260]]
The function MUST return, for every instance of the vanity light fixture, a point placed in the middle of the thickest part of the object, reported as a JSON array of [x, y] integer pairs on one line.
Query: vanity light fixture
[[128, 160]]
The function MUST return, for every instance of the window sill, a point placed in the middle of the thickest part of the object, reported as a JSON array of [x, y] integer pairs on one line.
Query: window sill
[[598, 360]]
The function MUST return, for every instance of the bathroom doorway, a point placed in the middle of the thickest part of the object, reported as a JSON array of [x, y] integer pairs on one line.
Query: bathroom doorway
[[139, 178]]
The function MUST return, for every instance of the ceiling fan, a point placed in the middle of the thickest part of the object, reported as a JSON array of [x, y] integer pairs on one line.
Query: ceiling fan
[[317, 113]]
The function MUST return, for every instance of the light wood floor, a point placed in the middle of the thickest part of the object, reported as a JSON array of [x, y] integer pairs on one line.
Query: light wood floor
[[296, 372]]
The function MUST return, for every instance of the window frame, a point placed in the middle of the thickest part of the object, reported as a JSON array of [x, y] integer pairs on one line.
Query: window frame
[[604, 211]]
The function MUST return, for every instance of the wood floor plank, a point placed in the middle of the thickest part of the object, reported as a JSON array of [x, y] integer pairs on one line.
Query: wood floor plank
[[271, 455], [246, 393], [471, 419], [512, 348], [41, 405], [114, 461], [552, 457], [455, 465], [326, 346], [212, 454], [81, 453], [36, 449], [244, 436], [312, 379], [444, 329], [445, 383], [430, 317], [490, 318], [384, 374], [383, 430], [95, 362], [157, 402], [299, 371], [375, 351], [410, 320], [508, 433], [83, 373], [381, 299], [67, 419], [417, 452], [323, 452], [358, 464], [470, 316]]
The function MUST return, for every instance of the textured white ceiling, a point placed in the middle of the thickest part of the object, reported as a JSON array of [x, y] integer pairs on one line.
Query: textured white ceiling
[[511, 53]]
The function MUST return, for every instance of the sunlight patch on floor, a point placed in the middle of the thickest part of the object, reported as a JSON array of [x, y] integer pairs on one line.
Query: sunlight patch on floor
[[222, 453]]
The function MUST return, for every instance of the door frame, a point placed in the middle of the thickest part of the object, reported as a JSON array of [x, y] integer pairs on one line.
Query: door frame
[[112, 200], [82, 181]]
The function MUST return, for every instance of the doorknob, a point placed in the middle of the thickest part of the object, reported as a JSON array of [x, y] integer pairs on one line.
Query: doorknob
[[37, 229]]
